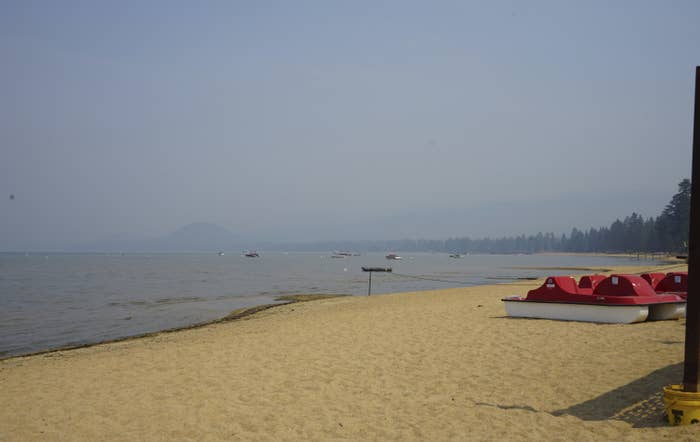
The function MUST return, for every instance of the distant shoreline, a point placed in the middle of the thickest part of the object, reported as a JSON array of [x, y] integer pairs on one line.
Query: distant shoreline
[[649, 256], [646, 255]]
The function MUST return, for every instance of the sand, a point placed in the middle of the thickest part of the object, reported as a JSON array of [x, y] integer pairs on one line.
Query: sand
[[434, 365]]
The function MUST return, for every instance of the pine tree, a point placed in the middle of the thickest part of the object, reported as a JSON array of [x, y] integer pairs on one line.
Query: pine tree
[[674, 222]]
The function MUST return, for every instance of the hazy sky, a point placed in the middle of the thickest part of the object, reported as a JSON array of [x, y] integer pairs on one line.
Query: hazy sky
[[317, 120]]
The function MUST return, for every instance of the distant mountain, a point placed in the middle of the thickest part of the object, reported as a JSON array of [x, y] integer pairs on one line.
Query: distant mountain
[[195, 237], [381, 231], [200, 233]]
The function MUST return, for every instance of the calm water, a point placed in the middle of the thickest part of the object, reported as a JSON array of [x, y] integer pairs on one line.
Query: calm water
[[54, 300]]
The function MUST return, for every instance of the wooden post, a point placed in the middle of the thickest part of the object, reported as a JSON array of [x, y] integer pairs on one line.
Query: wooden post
[[369, 288], [691, 372], [374, 269]]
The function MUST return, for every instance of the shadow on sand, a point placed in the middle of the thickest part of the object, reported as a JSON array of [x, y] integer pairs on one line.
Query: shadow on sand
[[639, 403]]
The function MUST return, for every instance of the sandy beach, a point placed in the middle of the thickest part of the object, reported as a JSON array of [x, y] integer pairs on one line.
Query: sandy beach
[[432, 365]]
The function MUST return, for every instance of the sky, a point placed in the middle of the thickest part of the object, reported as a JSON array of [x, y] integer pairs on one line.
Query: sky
[[316, 120]]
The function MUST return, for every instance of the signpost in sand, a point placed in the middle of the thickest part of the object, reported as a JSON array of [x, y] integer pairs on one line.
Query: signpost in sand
[[374, 269], [683, 401]]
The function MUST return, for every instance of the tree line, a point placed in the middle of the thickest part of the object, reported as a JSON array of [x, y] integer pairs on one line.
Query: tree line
[[668, 232]]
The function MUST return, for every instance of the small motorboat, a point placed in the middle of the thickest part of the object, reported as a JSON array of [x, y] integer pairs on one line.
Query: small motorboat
[[620, 299], [455, 255], [251, 254], [393, 256], [342, 253]]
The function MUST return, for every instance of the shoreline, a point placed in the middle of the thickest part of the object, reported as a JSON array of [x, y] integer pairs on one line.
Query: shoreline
[[664, 257], [431, 365], [234, 315], [243, 312]]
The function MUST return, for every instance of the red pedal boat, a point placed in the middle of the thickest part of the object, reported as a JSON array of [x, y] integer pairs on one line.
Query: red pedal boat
[[621, 299], [673, 282]]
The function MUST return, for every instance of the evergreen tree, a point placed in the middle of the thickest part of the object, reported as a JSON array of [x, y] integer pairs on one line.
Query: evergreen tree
[[674, 222], [668, 232]]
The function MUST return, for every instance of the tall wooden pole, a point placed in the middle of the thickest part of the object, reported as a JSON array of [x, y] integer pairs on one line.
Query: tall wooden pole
[[369, 287], [691, 367]]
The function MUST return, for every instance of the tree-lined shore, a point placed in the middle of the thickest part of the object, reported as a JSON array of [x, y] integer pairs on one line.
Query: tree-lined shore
[[667, 233]]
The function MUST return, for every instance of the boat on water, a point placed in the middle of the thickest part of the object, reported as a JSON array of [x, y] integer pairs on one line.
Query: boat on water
[[251, 254], [455, 255], [393, 256], [618, 299]]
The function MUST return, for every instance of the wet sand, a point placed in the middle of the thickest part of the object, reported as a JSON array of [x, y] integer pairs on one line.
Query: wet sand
[[433, 365]]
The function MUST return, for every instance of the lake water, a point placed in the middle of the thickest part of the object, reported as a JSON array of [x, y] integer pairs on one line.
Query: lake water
[[55, 300]]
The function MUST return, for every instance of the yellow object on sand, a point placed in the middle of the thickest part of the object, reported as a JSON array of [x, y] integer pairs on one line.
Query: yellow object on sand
[[682, 408]]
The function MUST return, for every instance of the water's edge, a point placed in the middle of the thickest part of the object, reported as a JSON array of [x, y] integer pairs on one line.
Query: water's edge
[[235, 315], [140, 287]]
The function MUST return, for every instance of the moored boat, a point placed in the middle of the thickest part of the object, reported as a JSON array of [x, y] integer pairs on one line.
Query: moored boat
[[342, 253], [620, 299]]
